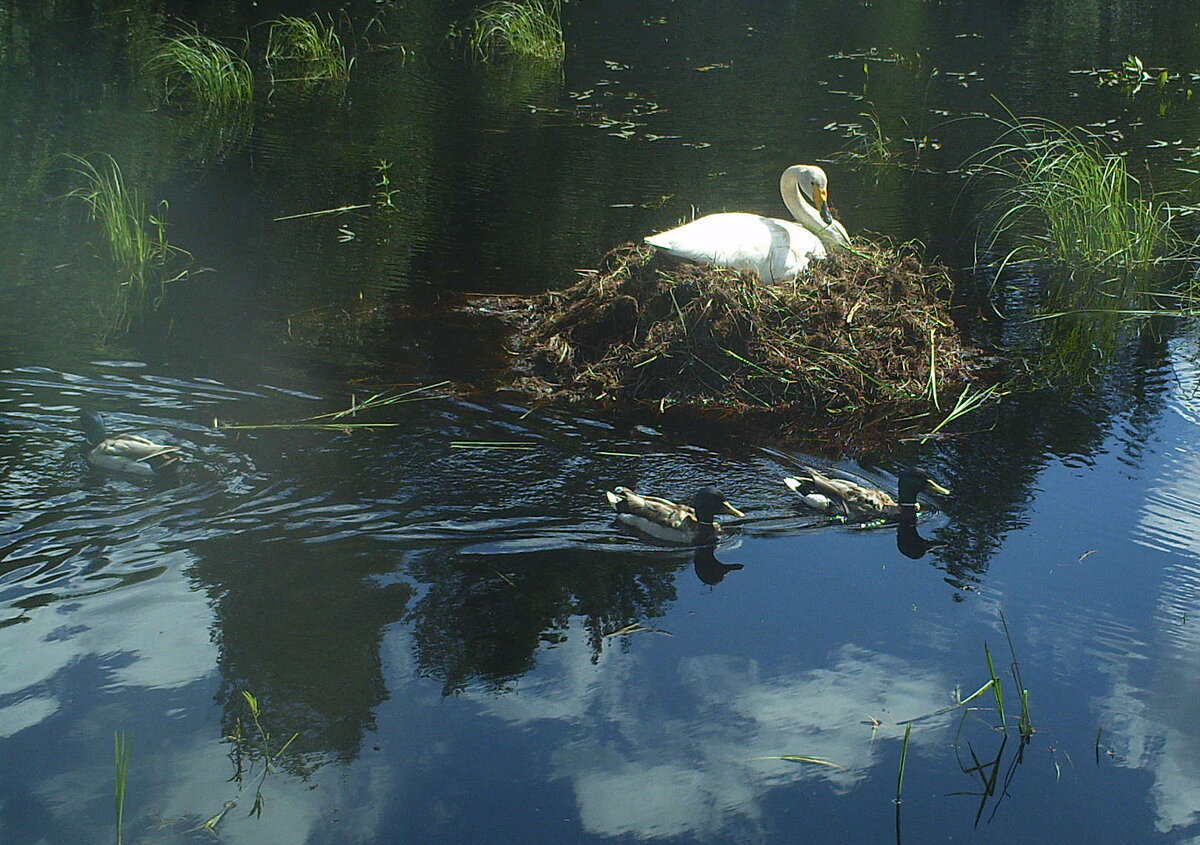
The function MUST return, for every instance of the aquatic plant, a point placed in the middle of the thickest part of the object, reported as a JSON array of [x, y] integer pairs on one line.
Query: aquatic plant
[[341, 420], [123, 754], [310, 45], [528, 29], [204, 69], [1024, 720], [1071, 201], [903, 763], [136, 239], [254, 745], [869, 143]]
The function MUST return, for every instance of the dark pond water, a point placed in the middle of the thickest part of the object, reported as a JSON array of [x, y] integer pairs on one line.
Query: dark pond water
[[465, 647]]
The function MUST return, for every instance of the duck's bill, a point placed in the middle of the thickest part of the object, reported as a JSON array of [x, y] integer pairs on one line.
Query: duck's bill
[[826, 214], [937, 488], [731, 510]]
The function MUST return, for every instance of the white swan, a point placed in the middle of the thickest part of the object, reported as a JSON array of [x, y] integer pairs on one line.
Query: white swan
[[777, 250]]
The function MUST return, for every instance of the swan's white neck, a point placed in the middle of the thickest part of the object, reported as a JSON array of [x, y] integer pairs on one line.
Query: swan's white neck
[[833, 234]]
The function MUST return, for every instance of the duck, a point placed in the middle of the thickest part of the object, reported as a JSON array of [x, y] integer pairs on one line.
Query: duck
[[129, 453], [858, 502], [666, 520], [776, 250]]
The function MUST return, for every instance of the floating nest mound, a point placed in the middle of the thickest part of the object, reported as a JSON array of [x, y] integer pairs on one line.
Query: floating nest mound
[[863, 334]]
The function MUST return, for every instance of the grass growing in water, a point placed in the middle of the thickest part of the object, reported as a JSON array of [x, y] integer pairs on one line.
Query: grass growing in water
[[205, 69], [528, 29], [311, 45], [254, 744], [136, 239], [1072, 201], [123, 753]]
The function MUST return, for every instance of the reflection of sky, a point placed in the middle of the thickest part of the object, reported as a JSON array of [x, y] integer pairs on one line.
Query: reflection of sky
[[153, 635], [681, 762], [1155, 728]]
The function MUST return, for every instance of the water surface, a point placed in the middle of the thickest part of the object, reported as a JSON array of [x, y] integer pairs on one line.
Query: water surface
[[463, 644]]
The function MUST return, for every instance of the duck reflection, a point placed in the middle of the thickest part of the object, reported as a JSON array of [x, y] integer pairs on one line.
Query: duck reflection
[[909, 541], [710, 570]]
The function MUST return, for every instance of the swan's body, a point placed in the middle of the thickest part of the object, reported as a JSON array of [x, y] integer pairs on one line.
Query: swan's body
[[666, 520], [777, 250], [841, 497], [126, 452]]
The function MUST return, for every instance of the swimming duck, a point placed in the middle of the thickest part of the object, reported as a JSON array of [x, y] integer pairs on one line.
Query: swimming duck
[[125, 452], [854, 501], [666, 520]]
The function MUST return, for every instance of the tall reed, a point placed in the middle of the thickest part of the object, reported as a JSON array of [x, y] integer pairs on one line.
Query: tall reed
[[527, 29], [204, 69], [312, 46], [123, 754], [136, 239], [1072, 201]]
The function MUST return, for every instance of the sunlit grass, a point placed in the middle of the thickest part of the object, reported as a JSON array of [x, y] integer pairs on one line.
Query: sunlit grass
[[341, 420], [123, 754], [204, 69], [136, 239], [1073, 202], [528, 29], [311, 45]]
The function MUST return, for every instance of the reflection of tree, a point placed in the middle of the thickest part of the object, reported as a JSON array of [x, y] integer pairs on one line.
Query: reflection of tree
[[302, 633], [993, 474], [484, 617]]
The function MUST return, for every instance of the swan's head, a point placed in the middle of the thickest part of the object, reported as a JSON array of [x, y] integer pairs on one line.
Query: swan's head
[[815, 186]]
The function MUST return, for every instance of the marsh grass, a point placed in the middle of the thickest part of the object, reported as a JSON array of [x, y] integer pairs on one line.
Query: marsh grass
[[195, 65], [253, 745], [1071, 201], [1024, 720], [310, 46], [123, 755], [136, 239], [903, 763], [524, 29], [340, 420]]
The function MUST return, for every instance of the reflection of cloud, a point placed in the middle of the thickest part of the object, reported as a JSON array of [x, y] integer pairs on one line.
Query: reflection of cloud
[[1151, 724], [25, 714], [150, 635], [682, 762]]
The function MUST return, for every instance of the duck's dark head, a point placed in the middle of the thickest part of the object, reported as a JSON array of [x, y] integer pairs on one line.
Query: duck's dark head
[[93, 427], [709, 502], [913, 483]]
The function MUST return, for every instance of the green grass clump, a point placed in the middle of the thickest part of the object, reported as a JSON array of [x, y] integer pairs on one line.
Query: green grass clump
[[1073, 202], [204, 69], [136, 239], [529, 29], [310, 45]]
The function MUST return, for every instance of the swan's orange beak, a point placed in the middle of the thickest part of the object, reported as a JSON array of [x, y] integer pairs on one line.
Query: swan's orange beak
[[821, 201]]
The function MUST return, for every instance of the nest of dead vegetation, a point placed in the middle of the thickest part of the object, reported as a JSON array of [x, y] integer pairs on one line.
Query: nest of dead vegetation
[[867, 335]]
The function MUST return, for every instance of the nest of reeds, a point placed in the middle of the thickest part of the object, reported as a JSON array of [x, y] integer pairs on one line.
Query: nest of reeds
[[864, 334]]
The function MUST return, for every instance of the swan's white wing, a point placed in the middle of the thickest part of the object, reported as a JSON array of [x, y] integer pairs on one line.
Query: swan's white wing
[[774, 249]]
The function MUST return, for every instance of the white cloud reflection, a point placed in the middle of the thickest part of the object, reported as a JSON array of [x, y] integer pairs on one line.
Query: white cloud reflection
[[682, 762], [1149, 714], [154, 634]]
